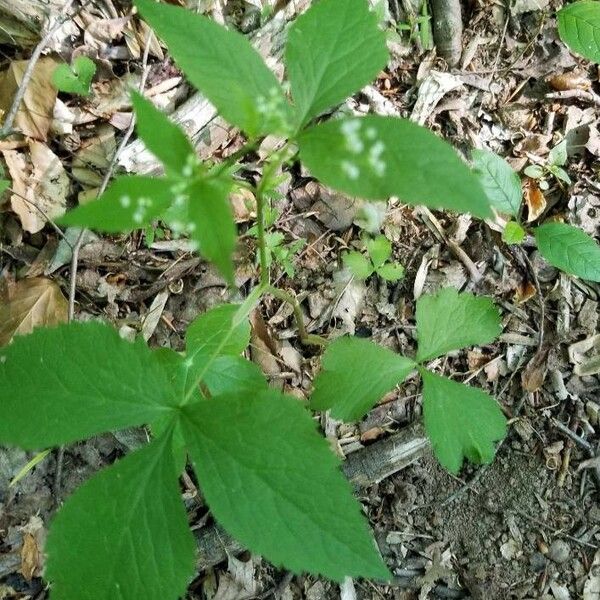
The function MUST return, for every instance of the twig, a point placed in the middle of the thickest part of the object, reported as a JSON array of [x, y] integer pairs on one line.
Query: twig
[[35, 56], [579, 94]]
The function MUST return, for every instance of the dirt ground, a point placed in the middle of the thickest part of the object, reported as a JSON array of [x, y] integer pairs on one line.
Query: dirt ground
[[527, 526]]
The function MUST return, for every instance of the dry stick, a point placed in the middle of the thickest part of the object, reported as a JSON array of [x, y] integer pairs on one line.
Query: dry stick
[[362, 468], [447, 29], [35, 55]]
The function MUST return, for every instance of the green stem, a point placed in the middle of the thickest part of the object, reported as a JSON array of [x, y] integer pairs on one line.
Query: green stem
[[309, 339], [262, 245]]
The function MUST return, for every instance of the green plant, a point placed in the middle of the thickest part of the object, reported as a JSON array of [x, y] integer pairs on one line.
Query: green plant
[[579, 28], [266, 474], [563, 246], [553, 165], [75, 78], [379, 250]]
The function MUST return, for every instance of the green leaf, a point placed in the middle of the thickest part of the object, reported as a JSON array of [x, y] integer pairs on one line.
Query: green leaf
[[460, 421], [124, 533], [391, 272], [450, 321], [356, 373], [202, 210], [579, 28], [377, 157], [215, 332], [379, 249], [358, 264], [534, 171], [558, 155], [4, 185], [163, 138], [131, 202], [272, 482], [501, 184], [73, 381], [569, 249], [233, 374], [333, 50], [513, 233], [224, 66], [561, 174], [76, 78]]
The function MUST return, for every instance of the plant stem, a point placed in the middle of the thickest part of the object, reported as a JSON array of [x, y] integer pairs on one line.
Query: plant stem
[[262, 245], [305, 337]]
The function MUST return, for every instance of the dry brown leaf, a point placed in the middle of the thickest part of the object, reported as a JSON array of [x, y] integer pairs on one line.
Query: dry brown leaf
[[534, 374], [32, 550], [263, 348], [534, 198], [94, 157], [35, 113], [32, 303], [40, 183], [525, 291], [570, 81], [243, 204]]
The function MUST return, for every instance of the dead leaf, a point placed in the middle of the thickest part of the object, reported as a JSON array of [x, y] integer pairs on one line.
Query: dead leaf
[[570, 81], [534, 198], [40, 183], [94, 157], [263, 347], [525, 291], [35, 113], [32, 556], [243, 203], [534, 374], [32, 303]]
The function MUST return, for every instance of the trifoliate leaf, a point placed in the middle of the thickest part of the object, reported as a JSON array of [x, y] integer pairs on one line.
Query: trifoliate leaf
[[358, 264], [579, 28], [570, 249], [500, 182], [450, 321], [131, 202], [391, 272], [162, 137], [513, 233], [75, 78], [124, 533], [333, 50], [73, 381], [224, 66], [377, 157], [272, 482], [379, 249], [356, 373], [460, 421]]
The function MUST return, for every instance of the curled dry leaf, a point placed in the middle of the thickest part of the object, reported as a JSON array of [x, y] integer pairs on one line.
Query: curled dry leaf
[[40, 183], [32, 303], [35, 113], [534, 198], [570, 81]]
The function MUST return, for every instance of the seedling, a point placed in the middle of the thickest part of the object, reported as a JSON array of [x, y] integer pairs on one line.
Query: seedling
[[553, 166], [268, 477], [75, 78], [379, 250], [566, 247]]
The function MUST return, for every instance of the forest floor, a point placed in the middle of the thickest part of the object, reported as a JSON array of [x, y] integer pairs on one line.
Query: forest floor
[[527, 526]]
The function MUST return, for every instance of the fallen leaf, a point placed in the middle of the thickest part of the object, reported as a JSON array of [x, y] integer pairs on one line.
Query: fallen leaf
[[32, 555], [40, 184], [570, 81], [534, 198], [534, 374], [32, 303], [34, 116], [525, 291], [94, 157]]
